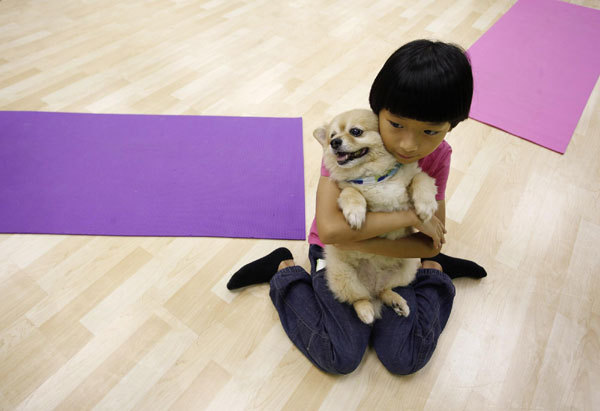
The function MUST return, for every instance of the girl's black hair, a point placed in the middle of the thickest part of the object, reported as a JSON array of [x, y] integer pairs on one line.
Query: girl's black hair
[[426, 81]]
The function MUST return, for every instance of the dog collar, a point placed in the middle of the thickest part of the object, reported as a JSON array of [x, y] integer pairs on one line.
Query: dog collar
[[376, 179]]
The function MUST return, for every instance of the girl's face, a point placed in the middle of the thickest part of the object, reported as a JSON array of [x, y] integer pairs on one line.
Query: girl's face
[[410, 140]]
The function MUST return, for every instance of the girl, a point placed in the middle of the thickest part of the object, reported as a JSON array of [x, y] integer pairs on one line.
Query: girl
[[423, 91]]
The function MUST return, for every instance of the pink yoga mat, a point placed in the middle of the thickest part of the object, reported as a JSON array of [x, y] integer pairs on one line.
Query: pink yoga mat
[[535, 69], [151, 175]]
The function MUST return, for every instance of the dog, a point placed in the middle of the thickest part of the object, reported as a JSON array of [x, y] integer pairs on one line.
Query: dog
[[371, 179]]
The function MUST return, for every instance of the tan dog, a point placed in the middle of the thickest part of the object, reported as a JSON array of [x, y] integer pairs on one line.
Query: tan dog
[[355, 156]]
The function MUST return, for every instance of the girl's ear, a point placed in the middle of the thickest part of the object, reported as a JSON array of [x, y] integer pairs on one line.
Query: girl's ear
[[321, 135]]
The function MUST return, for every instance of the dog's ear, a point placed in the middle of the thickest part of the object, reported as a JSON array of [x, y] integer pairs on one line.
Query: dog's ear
[[321, 135]]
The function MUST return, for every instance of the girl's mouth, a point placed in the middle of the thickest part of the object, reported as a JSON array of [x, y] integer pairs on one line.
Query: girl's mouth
[[404, 157], [345, 158]]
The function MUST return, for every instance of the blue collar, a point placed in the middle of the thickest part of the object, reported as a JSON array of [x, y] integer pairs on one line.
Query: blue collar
[[376, 179]]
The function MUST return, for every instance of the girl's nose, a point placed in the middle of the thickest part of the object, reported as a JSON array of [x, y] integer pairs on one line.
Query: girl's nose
[[408, 143]]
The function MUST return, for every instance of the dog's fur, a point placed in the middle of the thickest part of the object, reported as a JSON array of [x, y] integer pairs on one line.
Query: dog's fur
[[361, 279]]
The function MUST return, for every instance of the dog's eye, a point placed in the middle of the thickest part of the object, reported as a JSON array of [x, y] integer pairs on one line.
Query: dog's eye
[[356, 132], [332, 134]]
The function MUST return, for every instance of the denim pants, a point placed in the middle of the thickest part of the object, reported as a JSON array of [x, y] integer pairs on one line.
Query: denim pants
[[332, 337]]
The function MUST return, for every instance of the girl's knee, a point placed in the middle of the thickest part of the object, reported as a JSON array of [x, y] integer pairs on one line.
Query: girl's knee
[[346, 365], [404, 362], [401, 366], [334, 360], [397, 366], [339, 365]]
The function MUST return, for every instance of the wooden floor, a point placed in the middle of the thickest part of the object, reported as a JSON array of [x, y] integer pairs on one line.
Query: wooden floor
[[147, 323]]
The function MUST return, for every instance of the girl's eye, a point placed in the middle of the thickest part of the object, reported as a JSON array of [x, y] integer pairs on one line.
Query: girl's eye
[[431, 132], [395, 125], [356, 132]]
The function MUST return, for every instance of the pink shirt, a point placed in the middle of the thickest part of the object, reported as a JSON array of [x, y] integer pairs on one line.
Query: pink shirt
[[436, 164]]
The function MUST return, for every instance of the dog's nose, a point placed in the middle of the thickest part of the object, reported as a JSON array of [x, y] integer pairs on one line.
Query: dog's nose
[[336, 143]]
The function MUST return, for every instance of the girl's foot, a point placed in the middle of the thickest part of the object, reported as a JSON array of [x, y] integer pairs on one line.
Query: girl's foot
[[261, 270], [457, 267]]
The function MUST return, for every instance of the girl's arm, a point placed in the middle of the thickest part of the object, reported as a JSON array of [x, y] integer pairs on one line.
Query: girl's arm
[[332, 225], [333, 228], [417, 245]]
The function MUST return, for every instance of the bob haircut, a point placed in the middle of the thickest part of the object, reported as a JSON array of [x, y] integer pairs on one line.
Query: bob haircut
[[425, 81]]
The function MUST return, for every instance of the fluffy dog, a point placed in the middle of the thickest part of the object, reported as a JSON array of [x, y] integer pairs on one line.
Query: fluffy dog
[[371, 180]]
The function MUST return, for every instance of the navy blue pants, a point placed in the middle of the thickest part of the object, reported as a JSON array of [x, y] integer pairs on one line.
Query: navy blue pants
[[332, 337]]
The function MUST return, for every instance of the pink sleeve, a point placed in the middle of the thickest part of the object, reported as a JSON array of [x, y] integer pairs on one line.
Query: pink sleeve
[[437, 165], [313, 237], [324, 171], [441, 176]]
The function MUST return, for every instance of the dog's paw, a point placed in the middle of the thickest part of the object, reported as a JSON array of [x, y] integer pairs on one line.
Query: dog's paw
[[401, 308], [422, 192], [353, 206], [396, 301], [355, 216], [425, 209], [365, 311]]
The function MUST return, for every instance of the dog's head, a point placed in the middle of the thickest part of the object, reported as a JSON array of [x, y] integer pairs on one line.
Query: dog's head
[[352, 145]]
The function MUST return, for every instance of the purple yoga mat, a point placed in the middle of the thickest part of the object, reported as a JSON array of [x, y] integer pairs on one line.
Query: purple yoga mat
[[151, 175], [535, 69]]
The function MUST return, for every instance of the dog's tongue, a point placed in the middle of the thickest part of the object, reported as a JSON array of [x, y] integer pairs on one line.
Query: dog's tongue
[[343, 157]]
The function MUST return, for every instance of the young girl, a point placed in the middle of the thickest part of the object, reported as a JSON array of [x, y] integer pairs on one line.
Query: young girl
[[423, 91]]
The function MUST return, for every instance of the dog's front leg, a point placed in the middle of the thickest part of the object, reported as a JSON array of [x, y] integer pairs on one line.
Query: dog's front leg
[[354, 206], [422, 191]]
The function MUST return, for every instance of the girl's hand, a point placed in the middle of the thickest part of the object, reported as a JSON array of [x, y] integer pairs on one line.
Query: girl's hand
[[434, 229]]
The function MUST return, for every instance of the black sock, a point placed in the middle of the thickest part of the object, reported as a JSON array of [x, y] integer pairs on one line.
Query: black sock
[[457, 267], [259, 271]]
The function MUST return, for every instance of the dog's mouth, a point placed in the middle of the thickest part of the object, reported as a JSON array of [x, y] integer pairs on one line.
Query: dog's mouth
[[345, 158]]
